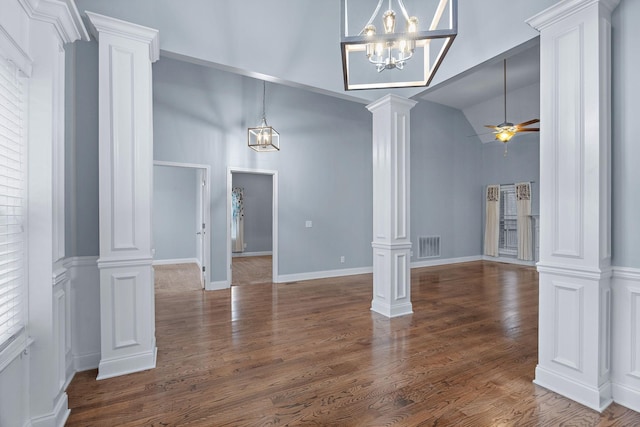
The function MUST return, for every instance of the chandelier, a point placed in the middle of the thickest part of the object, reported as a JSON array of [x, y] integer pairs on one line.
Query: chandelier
[[400, 41], [263, 137]]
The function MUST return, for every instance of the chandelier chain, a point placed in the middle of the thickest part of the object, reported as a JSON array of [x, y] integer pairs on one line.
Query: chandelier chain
[[264, 91]]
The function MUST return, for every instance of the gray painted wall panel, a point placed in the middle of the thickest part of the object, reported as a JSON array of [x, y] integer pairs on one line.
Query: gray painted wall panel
[[444, 180], [201, 115], [625, 147], [174, 212], [86, 156]]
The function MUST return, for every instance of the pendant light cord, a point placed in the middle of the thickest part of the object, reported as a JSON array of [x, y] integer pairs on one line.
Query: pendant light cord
[[264, 91], [505, 90]]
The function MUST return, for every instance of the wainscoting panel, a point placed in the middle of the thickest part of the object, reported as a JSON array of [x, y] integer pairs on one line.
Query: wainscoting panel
[[626, 337], [85, 312], [569, 325]]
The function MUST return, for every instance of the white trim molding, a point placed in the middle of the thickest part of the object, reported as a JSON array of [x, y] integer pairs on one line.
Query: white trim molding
[[625, 371], [217, 286], [250, 254], [274, 217], [85, 311], [175, 261], [508, 260], [313, 275], [57, 14]]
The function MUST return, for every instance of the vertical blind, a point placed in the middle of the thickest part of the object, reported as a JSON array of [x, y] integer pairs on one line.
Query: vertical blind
[[12, 209]]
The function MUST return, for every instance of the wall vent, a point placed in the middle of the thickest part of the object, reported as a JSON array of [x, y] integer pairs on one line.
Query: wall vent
[[428, 246]]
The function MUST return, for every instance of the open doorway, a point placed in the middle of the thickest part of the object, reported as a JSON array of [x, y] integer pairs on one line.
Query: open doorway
[[180, 225], [252, 226]]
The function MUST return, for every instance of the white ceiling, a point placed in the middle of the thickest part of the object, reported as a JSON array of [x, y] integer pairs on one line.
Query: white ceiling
[[485, 81]]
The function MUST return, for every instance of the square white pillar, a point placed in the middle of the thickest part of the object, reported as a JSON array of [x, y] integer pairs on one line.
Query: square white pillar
[[391, 237], [127, 313], [575, 200]]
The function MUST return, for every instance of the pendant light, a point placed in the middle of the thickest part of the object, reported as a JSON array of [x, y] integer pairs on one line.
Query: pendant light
[[263, 137]]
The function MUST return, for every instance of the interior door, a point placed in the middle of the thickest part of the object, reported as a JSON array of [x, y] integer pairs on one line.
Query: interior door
[[201, 224]]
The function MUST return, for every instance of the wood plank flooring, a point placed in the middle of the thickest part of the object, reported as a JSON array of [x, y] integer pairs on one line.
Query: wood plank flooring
[[312, 353], [251, 270]]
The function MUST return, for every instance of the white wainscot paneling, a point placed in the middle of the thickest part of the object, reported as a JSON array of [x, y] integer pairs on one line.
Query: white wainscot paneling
[[124, 327], [567, 169], [402, 283], [626, 337], [85, 312], [569, 325]]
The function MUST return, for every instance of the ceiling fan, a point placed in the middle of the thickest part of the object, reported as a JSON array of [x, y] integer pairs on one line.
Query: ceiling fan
[[506, 130]]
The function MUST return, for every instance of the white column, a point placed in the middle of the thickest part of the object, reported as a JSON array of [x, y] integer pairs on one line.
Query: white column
[[127, 314], [391, 238], [575, 200]]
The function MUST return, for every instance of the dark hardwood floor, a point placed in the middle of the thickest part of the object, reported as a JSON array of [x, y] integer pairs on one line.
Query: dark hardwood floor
[[312, 353]]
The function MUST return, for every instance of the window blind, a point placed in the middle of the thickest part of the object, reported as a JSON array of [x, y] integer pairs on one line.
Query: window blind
[[12, 209]]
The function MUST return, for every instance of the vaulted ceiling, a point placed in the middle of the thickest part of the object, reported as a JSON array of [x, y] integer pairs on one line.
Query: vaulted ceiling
[[296, 43]]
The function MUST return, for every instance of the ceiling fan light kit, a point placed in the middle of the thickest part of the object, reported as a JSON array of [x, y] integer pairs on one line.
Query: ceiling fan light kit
[[395, 48], [507, 130]]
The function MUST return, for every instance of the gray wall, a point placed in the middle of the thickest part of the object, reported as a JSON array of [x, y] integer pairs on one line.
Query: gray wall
[[625, 147], [213, 109], [258, 218], [445, 189], [81, 185], [201, 116], [174, 212]]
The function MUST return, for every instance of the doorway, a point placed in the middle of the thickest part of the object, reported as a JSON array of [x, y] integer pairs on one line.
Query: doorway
[[181, 217], [252, 245]]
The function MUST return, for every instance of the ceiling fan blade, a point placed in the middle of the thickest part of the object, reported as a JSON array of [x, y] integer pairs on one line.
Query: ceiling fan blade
[[492, 127], [530, 122], [529, 130]]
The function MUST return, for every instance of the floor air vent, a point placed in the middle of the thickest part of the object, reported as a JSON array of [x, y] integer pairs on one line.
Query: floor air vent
[[429, 247]]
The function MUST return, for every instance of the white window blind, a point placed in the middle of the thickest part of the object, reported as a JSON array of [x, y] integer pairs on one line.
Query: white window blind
[[12, 209]]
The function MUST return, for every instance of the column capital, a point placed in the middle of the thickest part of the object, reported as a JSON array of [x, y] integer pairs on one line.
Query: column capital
[[391, 99], [566, 8], [117, 27]]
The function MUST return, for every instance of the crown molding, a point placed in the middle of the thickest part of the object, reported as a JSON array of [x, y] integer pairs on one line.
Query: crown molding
[[57, 14], [117, 27], [566, 8]]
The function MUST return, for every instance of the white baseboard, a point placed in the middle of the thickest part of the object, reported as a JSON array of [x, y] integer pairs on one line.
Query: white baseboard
[[86, 362], [625, 287], [298, 277], [176, 261], [508, 260], [127, 365], [58, 417], [244, 254], [626, 396], [445, 261], [595, 398], [216, 286]]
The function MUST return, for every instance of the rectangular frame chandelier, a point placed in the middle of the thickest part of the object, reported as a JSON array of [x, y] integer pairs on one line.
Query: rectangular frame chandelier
[[395, 43]]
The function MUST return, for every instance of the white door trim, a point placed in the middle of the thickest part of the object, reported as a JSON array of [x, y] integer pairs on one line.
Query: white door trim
[[206, 258], [274, 215]]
